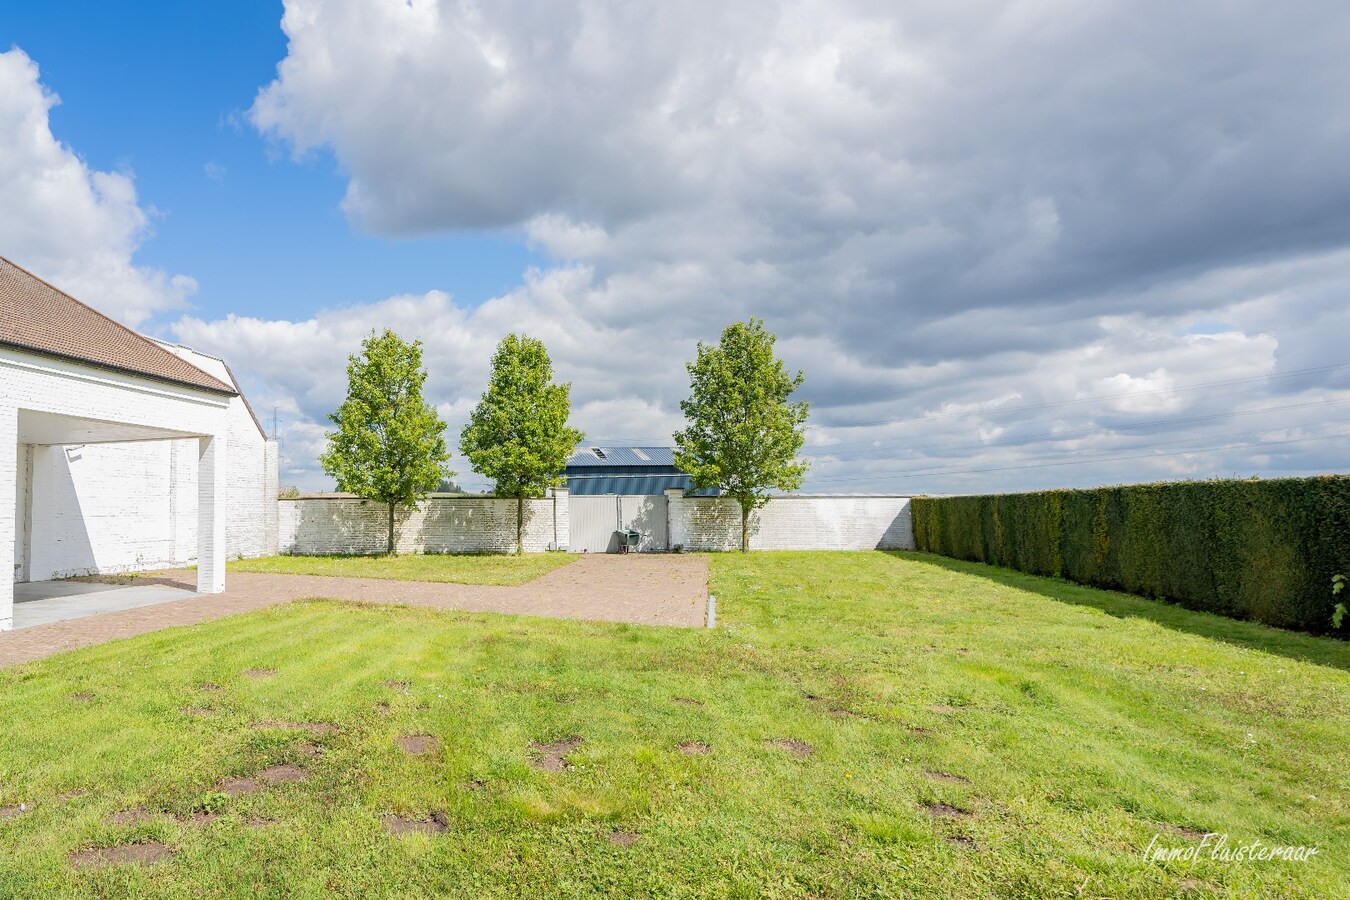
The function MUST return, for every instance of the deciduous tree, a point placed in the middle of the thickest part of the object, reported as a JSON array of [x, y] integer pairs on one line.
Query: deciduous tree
[[389, 445], [518, 434], [742, 432]]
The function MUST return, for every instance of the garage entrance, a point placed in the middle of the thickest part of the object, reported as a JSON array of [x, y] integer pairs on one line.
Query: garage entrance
[[71, 377], [596, 521]]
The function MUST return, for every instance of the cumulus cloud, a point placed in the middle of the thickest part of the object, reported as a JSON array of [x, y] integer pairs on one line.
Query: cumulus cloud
[[75, 226], [299, 366], [991, 234]]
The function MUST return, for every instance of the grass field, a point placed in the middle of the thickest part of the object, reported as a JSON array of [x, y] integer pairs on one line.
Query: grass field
[[862, 725], [457, 568]]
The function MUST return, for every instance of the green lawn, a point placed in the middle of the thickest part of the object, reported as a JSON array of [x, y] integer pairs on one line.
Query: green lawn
[[1060, 728], [458, 568]]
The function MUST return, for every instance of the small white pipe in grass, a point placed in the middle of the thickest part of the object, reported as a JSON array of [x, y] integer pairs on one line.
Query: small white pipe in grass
[[712, 611]]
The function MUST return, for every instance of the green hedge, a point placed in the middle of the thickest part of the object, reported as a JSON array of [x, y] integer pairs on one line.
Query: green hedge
[[1262, 550]]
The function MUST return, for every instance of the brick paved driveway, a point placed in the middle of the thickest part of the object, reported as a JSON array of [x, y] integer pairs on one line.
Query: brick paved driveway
[[640, 588]]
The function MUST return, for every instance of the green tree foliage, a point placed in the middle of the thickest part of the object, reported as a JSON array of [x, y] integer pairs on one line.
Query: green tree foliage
[[1249, 549], [742, 433], [389, 445], [518, 434]]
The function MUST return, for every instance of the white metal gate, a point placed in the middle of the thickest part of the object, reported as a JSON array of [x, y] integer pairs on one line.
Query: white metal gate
[[596, 519]]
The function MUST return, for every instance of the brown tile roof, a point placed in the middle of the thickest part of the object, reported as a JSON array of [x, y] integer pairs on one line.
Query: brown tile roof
[[38, 317]]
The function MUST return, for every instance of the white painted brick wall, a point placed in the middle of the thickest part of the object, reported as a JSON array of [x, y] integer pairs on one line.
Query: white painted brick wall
[[322, 525], [107, 508], [793, 523], [36, 385]]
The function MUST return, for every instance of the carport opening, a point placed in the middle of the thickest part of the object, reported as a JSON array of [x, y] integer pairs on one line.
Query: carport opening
[[96, 496]]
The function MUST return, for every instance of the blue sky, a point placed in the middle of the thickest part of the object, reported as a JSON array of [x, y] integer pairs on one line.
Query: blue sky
[[163, 89], [1011, 246]]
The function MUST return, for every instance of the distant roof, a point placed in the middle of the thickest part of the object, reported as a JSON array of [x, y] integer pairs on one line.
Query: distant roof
[[622, 456], [36, 316]]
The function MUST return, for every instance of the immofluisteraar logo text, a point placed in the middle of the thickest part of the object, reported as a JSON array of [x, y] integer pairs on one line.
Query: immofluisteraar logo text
[[1217, 847]]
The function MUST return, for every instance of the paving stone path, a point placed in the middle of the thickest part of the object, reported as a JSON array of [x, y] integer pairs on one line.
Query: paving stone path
[[647, 589]]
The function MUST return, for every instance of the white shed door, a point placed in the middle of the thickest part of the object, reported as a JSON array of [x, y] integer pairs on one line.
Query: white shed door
[[596, 521]]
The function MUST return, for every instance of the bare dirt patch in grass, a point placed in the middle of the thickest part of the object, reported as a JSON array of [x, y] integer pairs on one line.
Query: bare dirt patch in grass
[[82, 697], [201, 817], [260, 673], [401, 687], [622, 838], [135, 816], [475, 784], [695, 748], [436, 823], [918, 730], [797, 748], [313, 751], [282, 773], [939, 810], [686, 701], [553, 757], [960, 840], [382, 708], [145, 854], [209, 686], [947, 776], [237, 787], [10, 812], [942, 708], [417, 744]]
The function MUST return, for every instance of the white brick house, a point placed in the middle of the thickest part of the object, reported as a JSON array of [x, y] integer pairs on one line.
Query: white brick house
[[119, 453]]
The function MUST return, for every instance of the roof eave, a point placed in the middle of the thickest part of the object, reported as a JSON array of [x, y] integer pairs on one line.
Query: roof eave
[[121, 370]]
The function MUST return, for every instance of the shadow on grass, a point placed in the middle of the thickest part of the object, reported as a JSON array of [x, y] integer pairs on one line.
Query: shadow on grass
[[1323, 651]]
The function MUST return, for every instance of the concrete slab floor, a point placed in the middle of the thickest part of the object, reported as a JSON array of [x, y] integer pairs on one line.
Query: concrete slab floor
[[42, 602]]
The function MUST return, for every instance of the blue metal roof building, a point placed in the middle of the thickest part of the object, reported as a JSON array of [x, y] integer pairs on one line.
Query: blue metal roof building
[[627, 470]]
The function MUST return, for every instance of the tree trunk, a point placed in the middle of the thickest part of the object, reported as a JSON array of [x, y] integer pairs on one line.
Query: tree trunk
[[520, 525], [745, 529], [390, 549]]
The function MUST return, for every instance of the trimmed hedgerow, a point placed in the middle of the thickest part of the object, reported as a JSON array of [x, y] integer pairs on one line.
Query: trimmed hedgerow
[[1261, 550]]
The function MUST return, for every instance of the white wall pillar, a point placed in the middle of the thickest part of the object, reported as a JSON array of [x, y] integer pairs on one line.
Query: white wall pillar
[[211, 514], [9, 474], [562, 518], [676, 534]]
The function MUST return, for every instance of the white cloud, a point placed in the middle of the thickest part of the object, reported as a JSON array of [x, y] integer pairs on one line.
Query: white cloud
[[962, 219], [75, 226], [1113, 397], [300, 366], [564, 239]]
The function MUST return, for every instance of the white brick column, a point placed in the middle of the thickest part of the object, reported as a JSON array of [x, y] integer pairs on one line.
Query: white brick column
[[211, 514], [9, 475], [676, 519], [562, 518]]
